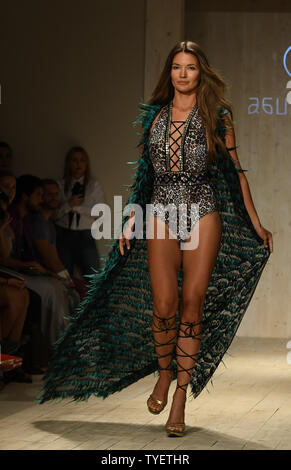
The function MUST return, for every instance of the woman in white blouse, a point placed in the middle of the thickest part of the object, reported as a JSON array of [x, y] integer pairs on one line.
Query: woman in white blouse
[[79, 193]]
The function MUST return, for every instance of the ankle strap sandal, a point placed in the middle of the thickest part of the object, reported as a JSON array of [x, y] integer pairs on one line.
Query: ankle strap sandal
[[178, 429], [162, 325]]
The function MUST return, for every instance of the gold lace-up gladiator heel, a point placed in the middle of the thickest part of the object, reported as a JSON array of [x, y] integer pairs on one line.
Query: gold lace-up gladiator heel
[[178, 429], [162, 328]]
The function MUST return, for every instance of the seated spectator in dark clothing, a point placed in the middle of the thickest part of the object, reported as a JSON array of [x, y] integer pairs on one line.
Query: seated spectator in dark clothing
[[44, 232], [5, 156], [21, 246], [55, 302], [44, 236], [28, 199]]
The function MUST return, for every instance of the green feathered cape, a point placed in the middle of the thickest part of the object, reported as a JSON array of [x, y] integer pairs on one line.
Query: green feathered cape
[[108, 344]]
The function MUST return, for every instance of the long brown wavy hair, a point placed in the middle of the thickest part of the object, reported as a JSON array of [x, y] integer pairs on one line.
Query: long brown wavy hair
[[210, 94], [67, 168]]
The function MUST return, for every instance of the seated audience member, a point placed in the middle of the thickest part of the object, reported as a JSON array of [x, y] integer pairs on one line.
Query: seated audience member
[[79, 193], [5, 156], [14, 302], [33, 351], [23, 257], [14, 298], [44, 237], [44, 232]]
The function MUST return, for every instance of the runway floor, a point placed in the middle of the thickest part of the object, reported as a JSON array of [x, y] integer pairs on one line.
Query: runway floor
[[248, 407]]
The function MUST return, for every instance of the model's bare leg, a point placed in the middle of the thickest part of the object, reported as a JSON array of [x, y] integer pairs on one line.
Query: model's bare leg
[[198, 266], [164, 260]]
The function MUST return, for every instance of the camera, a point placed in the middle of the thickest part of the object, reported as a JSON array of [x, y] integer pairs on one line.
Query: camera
[[78, 189]]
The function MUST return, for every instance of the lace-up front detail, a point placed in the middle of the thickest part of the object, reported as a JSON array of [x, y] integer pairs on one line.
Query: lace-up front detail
[[175, 145]]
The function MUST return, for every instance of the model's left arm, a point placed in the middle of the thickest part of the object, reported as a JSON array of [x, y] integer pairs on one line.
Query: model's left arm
[[248, 201]]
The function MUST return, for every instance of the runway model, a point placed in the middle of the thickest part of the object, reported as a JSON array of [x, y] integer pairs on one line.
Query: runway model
[[158, 305]]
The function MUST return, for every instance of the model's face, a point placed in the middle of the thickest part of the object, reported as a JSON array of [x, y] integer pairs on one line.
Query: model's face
[[185, 72], [78, 165], [8, 185], [51, 196]]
